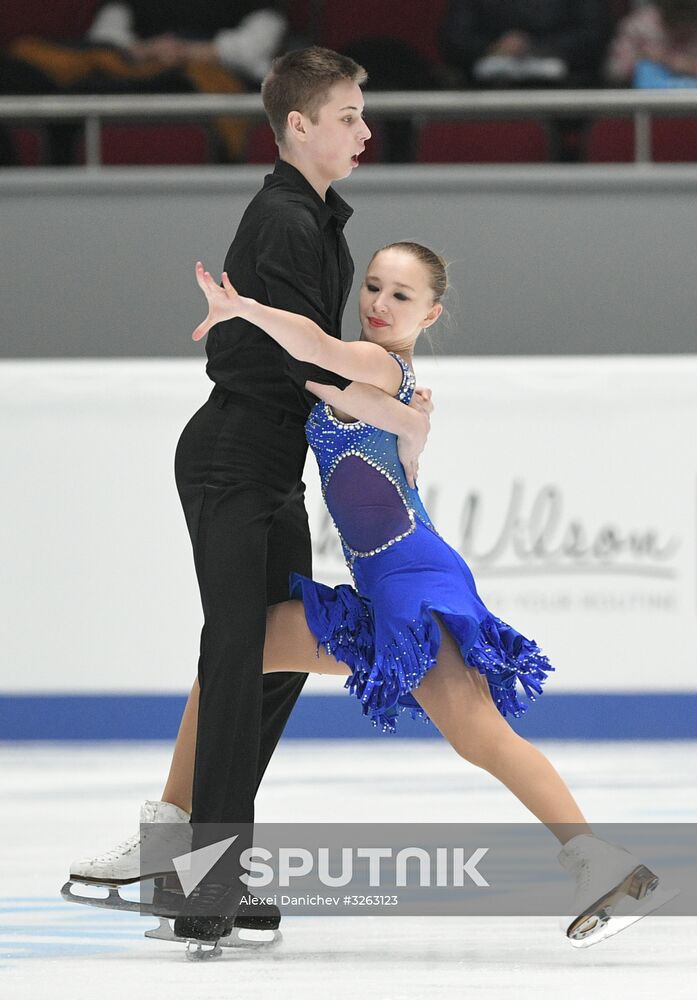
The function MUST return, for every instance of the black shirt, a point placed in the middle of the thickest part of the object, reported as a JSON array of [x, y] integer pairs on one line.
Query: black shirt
[[289, 252]]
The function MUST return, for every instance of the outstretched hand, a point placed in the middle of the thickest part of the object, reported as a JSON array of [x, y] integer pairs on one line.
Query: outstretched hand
[[223, 302]]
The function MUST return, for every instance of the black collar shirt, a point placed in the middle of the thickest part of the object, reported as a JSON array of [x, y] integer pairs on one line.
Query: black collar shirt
[[289, 252]]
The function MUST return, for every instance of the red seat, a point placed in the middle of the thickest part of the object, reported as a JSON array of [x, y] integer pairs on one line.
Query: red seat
[[483, 142], [28, 145], [261, 145], [153, 145], [60, 19], [404, 20], [674, 140], [611, 140]]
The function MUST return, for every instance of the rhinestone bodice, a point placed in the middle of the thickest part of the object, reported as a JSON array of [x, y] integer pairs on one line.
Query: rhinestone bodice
[[363, 482]]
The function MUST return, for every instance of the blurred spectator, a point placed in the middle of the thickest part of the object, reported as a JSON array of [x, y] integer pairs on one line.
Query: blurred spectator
[[154, 46], [520, 43], [663, 33], [242, 37], [513, 43]]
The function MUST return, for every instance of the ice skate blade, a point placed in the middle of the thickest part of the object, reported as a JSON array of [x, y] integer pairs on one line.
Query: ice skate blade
[[241, 937], [112, 901], [626, 913], [163, 932], [202, 951], [637, 884], [252, 939], [115, 901]]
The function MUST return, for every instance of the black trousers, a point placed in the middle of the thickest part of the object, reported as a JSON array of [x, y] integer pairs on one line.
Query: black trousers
[[238, 469]]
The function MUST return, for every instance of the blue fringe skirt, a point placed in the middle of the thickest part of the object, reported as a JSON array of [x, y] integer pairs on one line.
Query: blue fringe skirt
[[388, 635]]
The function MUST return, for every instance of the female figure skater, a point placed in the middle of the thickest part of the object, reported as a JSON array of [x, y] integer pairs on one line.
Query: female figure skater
[[413, 633]]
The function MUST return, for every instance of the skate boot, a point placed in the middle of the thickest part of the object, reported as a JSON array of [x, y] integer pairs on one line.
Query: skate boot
[[252, 926], [613, 890], [121, 865]]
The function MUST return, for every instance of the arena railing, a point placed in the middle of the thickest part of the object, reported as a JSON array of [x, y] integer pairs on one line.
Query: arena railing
[[419, 106]]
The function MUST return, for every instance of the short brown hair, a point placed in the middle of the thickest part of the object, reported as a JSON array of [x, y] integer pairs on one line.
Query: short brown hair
[[300, 81]]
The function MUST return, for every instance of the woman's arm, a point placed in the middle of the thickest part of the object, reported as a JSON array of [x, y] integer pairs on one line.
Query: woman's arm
[[365, 399], [410, 423], [359, 361]]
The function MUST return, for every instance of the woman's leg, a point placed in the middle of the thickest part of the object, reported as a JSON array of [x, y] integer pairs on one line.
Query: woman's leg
[[180, 780], [289, 646], [457, 699]]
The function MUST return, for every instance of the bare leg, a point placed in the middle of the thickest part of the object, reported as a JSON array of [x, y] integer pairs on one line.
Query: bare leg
[[456, 698], [180, 780], [289, 646]]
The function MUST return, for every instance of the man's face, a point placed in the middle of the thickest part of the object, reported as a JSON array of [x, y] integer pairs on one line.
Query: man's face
[[337, 139]]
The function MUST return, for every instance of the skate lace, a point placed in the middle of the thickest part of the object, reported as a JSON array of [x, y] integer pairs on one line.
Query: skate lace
[[131, 843], [120, 849]]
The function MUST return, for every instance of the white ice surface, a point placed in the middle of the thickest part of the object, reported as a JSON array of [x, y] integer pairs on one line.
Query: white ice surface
[[70, 800]]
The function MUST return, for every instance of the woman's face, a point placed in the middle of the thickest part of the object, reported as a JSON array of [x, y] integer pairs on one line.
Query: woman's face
[[396, 300]]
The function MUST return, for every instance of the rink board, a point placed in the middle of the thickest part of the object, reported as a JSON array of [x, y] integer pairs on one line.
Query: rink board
[[591, 716], [563, 482]]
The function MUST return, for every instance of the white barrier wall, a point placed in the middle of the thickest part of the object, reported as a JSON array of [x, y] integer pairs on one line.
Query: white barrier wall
[[568, 484]]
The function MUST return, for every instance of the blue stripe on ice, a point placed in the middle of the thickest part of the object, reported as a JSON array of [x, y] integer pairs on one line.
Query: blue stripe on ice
[[586, 716]]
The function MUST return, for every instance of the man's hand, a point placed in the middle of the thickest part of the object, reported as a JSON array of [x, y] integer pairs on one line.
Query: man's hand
[[223, 303], [409, 447]]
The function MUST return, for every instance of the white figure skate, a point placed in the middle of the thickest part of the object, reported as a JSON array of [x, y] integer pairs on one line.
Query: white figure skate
[[613, 890], [121, 866]]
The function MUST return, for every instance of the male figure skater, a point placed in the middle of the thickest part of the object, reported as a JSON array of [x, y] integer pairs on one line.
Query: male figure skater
[[240, 458]]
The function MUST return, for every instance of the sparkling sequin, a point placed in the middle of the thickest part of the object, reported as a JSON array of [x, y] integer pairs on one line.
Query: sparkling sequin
[[332, 441], [388, 651]]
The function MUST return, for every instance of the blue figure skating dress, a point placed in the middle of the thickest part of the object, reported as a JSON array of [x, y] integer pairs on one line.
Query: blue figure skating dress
[[384, 627]]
